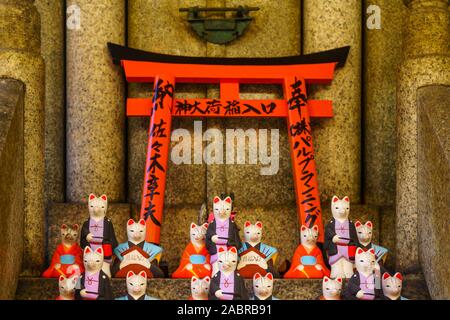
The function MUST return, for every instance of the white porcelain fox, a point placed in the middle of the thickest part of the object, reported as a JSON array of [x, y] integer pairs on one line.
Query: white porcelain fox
[[67, 287], [331, 289], [200, 288], [263, 287]]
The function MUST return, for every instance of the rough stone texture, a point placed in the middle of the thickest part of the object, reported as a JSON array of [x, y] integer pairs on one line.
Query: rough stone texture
[[59, 213], [168, 289], [424, 64], [433, 188], [158, 26], [95, 103], [21, 60], [388, 234], [12, 93], [52, 47], [380, 79], [337, 141]]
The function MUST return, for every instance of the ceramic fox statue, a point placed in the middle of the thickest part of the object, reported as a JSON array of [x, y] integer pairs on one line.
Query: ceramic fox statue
[[392, 287], [227, 284], [67, 287], [222, 231], [308, 262], [94, 284], [136, 287], [195, 261], [98, 230], [200, 288], [136, 254], [263, 287], [68, 256], [340, 239], [365, 233], [331, 289], [363, 284], [255, 256]]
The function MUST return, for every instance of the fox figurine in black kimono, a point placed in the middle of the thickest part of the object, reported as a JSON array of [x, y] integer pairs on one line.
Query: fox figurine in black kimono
[[227, 284], [98, 230], [222, 232]]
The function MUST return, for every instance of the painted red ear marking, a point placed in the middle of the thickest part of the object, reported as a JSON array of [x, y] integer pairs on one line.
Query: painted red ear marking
[[386, 275], [216, 199], [259, 224], [142, 222], [347, 199], [228, 199], [233, 250], [130, 222], [221, 249], [269, 276], [398, 276], [143, 274], [104, 197], [339, 280], [91, 196], [372, 251], [358, 224], [99, 251], [64, 226], [247, 224], [207, 279], [194, 279], [130, 274], [87, 250], [369, 224], [359, 251], [326, 279], [75, 279], [62, 278], [75, 226], [205, 225], [193, 225], [335, 199], [316, 228], [256, 276], [304, 228]]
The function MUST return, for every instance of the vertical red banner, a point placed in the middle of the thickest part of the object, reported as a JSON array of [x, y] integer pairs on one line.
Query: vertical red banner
[[302, 154], [157, 156]]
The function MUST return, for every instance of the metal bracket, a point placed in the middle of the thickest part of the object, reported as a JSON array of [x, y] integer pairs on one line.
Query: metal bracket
[[219, 30]]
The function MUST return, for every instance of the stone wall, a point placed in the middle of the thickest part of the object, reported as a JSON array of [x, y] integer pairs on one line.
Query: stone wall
[[434, 187], [12, 94]]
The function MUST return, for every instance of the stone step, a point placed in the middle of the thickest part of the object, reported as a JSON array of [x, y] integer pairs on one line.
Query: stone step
[[171, 289], [280, 225]]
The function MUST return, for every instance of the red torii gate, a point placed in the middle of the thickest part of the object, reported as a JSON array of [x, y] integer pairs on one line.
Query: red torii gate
[[291, 72]]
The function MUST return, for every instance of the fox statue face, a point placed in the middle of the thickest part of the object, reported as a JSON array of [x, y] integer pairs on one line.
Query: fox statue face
[[392, 286], [136, 231], [340, 208], [309, 236], [198, 234], [263, 286], [331, 288], [136, 283], [253, 232], [97, 206], [200, 288], [67, 286], [364, 232], [69, 234], [222, 208], [93, 260], [227, 259], [365, 261]]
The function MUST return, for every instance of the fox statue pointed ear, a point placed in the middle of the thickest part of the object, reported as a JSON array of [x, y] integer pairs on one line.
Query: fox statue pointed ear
[[358, 224], [193, 225], [232, 250], [259, 224], [207, 279], [247, 224], [142, 222], [316, 228], [92, 196], [194, 279], [74, 278], [143, 274], [269, 276], [87, 250], [386, 276], [359, 251], [76, 227], [335, 199], [256, 276], [62, 278], [104, 197], [130, 274], [369, 224], [216, 199], [398, 275], [205, 226], [339, 280], [221, 249], [346, 199], [99, 250], [64, 226], [130, 222], [228, 199], [304, 228], [372, 251], [326, 279]]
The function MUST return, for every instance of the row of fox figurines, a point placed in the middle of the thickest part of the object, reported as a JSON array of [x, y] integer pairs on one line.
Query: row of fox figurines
[[215, 247]]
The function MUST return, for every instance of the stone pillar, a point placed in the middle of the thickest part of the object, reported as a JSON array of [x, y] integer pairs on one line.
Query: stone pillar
[[95, 102], [52, 47], [426, 61], [328, 25], [20, 49], [382, 57]]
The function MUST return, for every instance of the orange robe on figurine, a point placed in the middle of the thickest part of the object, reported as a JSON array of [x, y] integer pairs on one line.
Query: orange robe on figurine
[[308, 262], [195, 261]]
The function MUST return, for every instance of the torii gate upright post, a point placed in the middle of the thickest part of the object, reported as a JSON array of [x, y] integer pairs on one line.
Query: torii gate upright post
[[293, 73]]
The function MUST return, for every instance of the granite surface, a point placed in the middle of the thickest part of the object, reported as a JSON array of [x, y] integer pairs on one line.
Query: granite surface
[[380, 81], [433, 188], [21, 60], [95, 103], [424, 64], [337, 141], [53, 52], [169, 289], [12, 93]]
